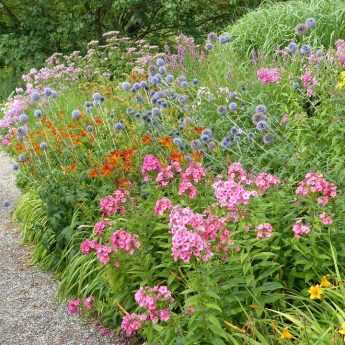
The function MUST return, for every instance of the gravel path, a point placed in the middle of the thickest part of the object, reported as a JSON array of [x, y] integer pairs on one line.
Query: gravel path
[[29, 314]]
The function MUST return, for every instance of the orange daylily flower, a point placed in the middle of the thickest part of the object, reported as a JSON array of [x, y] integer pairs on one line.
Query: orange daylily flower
[[166, 142], [147, 139]]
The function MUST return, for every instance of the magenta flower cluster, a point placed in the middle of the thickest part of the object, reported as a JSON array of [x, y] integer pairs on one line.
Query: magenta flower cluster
[[264, 231], [122, 240], [268, 75], [76, 306], [112, 204]]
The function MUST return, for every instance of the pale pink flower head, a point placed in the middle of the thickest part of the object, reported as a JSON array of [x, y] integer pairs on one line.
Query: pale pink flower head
[[194, 172], [268, 75], [264, 231], [150, 164], [132, 323], [162, 205], [187, 186], [300, 229], [100, 227], [88, 302], [325, 218], [265, 181], [123, 240], [73, 306], [164, 314], [103, 253], [87, 246]]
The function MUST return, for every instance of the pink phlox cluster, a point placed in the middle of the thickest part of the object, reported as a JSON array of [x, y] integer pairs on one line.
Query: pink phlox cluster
[[268, 75], [185, 219], [100, 227], [264, 231], [123, 240], [88, 303], [238, 174], [264, 181], [73, 306], [103, 253], [112, 204], [194, 172], [132, 323], [87, 246], [300, 229], [309, 82], [187, 186], [155, 300], [162, 205], [150, 164], [165, 175], [316, 183], [325, 218], [340, 51]]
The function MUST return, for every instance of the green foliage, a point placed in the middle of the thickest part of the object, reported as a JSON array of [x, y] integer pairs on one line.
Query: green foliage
[[272, 26]]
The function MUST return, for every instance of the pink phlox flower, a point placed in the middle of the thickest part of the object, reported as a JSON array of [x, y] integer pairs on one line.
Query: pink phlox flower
[[187, 186], [194, 172], [165, 175], [88, 302], [264, 231], [123, 240], [162, 205], [300, 229], [73, 306], [87, 246], [264, 181], [268, 75], [103, 253], [325, 218], [132, 323], [100, 227], [238, 174], [150, 164]]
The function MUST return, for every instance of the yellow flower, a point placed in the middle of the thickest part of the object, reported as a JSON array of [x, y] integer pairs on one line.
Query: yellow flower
[[285, 334], [315, 292], [325, 283], [342, 329]]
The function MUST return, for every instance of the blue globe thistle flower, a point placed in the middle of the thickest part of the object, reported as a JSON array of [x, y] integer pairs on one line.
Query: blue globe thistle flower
[[97, 97], [195, 81], [262, 126], [235, 131], [251, 137], [155, 79], [135, 87], [226, 143], [232, 94], [23, 118], [305, 49], [76, 114], [257, 117], [301, 29], [211, 145], [89, 128], [35, 96], [212, 37], [184, 83], [160, 62], [38, 113], [125, 85], [292, 47], [162, 103], [261, 108], [88, 104], [47, 91], [119, 125], [15, 167], [268, 139], [21, 157], [233, 106], [196, 145], [143, 84], [224, 38], [6, 204], [208, 46], [137, 115], [169, 78], [156, 112], [179, 142], [130, 111], [22, 131], [207, 131], [310, 23], [296, 85], [162, 70], [222, 110], [237, 139], [43, 146], [182, 99]]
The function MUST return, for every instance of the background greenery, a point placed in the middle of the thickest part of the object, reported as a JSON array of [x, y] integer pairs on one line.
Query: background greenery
[[31, 31]]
